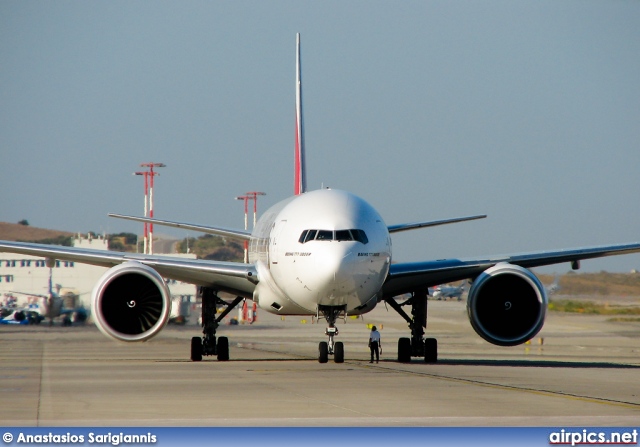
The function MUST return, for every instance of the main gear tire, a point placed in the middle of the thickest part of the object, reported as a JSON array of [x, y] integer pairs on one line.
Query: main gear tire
[[430, 350], [223, 349], [404, 350], [196, 349]]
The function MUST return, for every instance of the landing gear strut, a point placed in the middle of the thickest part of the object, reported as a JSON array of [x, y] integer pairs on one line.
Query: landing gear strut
[[331, 314], [207, 344], [417, 345]]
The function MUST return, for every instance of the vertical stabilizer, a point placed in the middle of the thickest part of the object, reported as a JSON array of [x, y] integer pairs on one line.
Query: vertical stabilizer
[[300, 176]]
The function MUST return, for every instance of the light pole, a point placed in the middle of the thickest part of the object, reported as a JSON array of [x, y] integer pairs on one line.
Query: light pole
[[150, 173], [246, 224], [253, 195], [146, 198]]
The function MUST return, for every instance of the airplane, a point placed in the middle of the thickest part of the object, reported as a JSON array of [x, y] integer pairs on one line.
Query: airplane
[[179, 310], [325, 253], [53, 306], [554, 287], [444, 292]]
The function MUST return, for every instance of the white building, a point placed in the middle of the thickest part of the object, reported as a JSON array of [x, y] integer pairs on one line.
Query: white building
[[30, 275]]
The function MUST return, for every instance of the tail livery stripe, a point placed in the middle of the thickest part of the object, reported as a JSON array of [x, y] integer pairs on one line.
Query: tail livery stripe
[[300, 178]]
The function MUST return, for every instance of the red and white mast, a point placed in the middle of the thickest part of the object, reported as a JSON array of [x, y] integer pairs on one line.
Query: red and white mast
[[300, 177], [254, 196], [146, 200], [148, 238], [246, 224]]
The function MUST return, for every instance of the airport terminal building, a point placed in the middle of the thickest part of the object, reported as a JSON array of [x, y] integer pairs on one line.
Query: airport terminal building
[[24, 277]]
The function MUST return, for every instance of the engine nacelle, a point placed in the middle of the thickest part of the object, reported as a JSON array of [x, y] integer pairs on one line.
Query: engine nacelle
[[131, 302], [507, 305]]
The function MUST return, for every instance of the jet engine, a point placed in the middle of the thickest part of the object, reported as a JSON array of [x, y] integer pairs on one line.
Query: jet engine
[[507, 305], [131, 302]]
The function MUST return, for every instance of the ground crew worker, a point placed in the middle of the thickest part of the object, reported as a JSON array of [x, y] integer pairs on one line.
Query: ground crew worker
[[375, 344], [254, 311]]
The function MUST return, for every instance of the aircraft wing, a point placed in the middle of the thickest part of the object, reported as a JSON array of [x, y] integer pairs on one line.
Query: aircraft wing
[[432, 223], [406, 277], [231, 277], [238, 234]]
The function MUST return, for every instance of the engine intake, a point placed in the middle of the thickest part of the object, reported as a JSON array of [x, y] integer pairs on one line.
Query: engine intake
[[131, 302], [507, 305]]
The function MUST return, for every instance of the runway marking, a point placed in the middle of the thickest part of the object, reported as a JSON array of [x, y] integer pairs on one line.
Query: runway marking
[[590, 399], [305, 396], [40, 384], [311, 399]]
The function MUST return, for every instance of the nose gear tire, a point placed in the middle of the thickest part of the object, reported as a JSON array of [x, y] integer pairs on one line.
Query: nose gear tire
[[338, 352], [323, 352]]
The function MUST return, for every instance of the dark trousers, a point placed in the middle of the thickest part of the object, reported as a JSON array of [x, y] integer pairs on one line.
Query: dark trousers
[[373, 346]]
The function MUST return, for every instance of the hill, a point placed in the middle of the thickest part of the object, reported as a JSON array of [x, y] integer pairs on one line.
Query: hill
[[213, 248], [205, 247], [17, 232]]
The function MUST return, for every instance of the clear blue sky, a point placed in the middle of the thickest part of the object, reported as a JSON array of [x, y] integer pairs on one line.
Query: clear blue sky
[[526, 111]]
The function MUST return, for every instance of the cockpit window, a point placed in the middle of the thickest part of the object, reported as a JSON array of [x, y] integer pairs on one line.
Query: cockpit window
[[343, 235], [338, 235], [324, 235], [360, 236]]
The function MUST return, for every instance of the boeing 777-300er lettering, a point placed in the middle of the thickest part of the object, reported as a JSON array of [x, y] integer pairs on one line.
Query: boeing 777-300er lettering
[[325, 253]]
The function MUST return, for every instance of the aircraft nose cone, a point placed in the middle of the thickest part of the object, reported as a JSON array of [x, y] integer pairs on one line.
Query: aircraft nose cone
[[334, 270]]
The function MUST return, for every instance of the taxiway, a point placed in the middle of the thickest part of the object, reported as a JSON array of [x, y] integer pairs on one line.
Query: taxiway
[[580, 370]]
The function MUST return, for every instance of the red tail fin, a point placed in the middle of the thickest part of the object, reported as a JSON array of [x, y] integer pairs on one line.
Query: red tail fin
[[300, 177]]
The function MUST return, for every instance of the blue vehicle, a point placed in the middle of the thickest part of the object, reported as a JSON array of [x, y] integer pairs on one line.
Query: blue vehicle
[[19, 316]]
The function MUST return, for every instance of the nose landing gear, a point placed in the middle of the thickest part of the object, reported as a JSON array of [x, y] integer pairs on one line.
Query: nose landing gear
[[335, 348]]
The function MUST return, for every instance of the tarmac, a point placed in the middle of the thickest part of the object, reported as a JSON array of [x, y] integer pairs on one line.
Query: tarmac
[[581, 370]]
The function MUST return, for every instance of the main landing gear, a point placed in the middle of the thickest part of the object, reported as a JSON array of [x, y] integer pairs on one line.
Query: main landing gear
[[207, 344], [417, 345], [325, 349]]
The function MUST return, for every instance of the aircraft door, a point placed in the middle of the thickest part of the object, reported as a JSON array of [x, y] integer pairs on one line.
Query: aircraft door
[[276, 244]]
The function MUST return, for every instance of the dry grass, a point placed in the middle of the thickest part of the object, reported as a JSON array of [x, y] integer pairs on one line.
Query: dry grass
[[597, 284], [16, 232], [593, 308]]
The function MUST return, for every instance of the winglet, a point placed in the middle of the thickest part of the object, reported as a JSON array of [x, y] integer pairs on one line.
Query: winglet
[[300, 176]]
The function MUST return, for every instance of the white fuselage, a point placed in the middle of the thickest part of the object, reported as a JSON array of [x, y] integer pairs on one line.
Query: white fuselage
[[321, 248]]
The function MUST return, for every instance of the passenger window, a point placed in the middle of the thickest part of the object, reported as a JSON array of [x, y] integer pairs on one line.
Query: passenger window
[[343, 235], [324, 235]]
